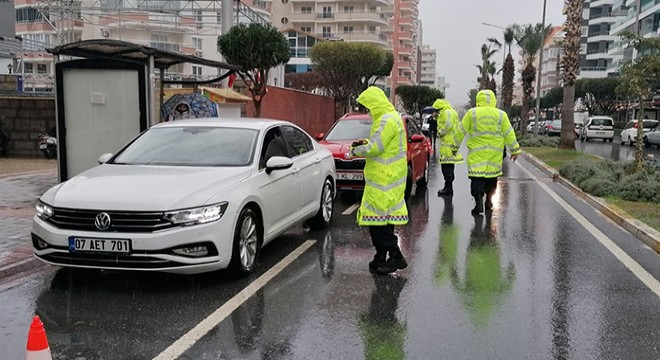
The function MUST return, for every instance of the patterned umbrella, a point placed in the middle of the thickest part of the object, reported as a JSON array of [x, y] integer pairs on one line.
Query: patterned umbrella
[[188, 106]]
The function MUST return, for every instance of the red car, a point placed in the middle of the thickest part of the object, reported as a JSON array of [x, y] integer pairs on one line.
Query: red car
[[352, 127]]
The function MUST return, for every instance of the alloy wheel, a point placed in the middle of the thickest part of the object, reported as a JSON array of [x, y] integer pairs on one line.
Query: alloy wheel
[[248, 242], [327, 205]]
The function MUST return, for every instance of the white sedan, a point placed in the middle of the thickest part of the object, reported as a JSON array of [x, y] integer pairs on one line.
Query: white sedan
[[188, 197]]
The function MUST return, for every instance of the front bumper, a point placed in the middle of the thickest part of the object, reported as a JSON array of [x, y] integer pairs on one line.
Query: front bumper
[[149, 251]]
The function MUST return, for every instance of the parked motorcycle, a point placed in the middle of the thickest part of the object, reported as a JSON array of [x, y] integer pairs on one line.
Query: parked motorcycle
[[47, 144]]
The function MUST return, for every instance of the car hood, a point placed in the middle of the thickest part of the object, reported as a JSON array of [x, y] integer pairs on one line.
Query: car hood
[[338, 148], [143, 188]]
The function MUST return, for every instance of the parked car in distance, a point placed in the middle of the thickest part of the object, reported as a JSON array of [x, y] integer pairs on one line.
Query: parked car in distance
[[188, 196], [629, 132], [352, 127], [653, 136], [598, 127], [554, 128]]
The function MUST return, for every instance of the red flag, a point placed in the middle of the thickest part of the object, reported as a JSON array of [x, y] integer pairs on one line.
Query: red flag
[[232, 78]]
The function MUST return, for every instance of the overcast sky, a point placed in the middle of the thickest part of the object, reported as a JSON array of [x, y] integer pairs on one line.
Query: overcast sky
[[454, 28]]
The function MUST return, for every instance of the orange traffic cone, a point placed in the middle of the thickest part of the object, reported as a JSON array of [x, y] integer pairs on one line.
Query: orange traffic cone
[[37, 344]]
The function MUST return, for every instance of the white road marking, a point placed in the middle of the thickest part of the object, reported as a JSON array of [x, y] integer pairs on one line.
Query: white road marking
[[351, 209], [643, 275], [205, 326]]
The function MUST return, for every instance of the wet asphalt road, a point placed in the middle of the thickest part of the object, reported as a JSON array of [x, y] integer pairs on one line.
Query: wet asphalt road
[[614, 150], [528, 282]]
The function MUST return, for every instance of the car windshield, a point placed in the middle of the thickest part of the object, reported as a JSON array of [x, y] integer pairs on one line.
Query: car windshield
[[350, 130], [603, 122], [555, 123], [648, 124], [191, 146]]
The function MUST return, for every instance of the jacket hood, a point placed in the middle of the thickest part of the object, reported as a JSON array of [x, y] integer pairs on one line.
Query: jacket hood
[[376, 101], [486, 98], [441, 104]]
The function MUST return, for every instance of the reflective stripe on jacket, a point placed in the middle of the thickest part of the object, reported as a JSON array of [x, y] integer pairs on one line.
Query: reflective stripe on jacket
[[488, 130], [448, 129], [386, 168]]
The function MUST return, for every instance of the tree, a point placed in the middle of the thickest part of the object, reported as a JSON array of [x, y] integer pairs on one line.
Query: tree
[[472, 96], [257, 49], [639, 78], [347, 67], [508, 70], [571, 62], [310, 81], [601, 94], [414, 98], [486, 65], [530, 38]]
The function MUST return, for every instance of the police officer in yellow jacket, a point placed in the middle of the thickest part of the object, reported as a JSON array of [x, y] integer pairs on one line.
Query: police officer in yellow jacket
[[488, 130], [448, 129], [383, 205]]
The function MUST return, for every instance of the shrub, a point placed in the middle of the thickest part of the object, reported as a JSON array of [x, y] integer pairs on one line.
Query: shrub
[[608, 178], [540, 141]]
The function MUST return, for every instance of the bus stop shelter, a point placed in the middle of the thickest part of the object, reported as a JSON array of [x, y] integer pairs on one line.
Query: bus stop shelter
[[106, 95]]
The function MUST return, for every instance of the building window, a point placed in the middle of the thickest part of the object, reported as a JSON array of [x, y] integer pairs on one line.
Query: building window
[[349, 9], [27, 15], [28, 68], [42, 68], [372, 29], [197, 43], [348, 29], [306, 9], [285, 1], [327, 13], [199, 18], [327, 31], [307, 29], [197, 70]]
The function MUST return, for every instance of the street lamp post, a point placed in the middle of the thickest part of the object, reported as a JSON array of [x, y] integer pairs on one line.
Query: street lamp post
[[540, 72]]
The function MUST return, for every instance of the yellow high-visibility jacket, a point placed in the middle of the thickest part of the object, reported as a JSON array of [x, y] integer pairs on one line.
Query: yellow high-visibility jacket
[[488, 130], [448, 129], [386, 166]]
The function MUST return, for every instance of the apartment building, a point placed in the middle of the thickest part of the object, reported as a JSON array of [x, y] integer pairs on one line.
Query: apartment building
[[427, 75], [551, 75], [442, 84], [7, 32], [629, 18], [597, 39], [406, 38]]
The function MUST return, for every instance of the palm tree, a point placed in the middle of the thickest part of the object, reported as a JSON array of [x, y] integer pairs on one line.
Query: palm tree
[[530, 38], [571, 61], [486, 54], [508, 70]]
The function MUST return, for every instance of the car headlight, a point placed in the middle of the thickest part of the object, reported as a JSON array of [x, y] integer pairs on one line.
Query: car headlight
[[200, 215], [44, 211]]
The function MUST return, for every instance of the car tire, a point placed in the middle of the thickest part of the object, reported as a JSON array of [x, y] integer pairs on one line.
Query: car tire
[[409, 183], [247, 241], [424, 180], [630, 142], [323, 217]]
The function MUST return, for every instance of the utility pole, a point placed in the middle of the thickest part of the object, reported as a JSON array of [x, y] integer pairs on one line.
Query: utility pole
[[540, 72], [227, 15]]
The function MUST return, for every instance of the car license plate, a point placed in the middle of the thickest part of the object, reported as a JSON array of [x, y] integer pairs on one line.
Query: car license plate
[[78, 244], [350, 176], [600, 132]]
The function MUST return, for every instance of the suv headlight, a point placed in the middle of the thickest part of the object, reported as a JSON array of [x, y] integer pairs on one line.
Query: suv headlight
[[200, 215], [44, 211]]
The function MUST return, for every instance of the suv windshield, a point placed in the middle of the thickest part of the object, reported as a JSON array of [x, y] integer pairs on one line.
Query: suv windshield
[[191, 146], [650, 124], [603, 122], [350, 130]]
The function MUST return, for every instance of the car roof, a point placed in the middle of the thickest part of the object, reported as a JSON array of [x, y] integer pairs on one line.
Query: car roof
[[245, 123], [601, 117]]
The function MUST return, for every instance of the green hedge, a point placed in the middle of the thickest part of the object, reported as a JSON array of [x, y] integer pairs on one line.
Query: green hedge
[[539, 141], [608, 178]]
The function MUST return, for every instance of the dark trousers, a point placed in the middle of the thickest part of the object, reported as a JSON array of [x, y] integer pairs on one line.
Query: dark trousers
[[383, 236], [448, 172], [434, 136], [480, 186]]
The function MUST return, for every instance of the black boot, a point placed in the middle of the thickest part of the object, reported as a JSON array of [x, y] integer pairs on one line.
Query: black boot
[[478, 206], [379, 259], [489, 203], [394, 263], [447, 190]]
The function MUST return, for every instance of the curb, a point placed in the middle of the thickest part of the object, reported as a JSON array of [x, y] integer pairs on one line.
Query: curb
[[14, 269], [638, 229]]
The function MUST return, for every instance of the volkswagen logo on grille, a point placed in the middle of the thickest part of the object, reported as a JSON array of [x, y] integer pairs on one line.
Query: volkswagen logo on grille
[[102, 221]]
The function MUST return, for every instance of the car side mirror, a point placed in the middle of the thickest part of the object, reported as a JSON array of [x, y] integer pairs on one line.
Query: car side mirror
[[105, 158], [319, 136], [278, 163], [417, 138]]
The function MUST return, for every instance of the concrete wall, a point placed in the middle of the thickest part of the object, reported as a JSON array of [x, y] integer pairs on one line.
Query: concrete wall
[[22, 117], [313, 113]]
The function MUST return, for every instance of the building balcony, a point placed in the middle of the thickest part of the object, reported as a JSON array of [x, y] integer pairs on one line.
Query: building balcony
[[325, 17], [409, 8], [369, 37], [147, 20], [601, 36], [406, 35], [371, 17], [380, 2], [599, 3], [298, 17], [45, 27], [406, 50], [603, 19]]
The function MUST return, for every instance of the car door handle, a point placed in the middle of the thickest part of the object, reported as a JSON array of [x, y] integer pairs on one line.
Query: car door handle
[[295, 171]]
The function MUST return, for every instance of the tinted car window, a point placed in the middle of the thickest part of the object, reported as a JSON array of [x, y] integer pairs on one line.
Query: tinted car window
[[602, 122], [629, 125], [650, 124], [412, 128], [191, 146], [298, 140], [555, 123], [274, 145], [350, 130]]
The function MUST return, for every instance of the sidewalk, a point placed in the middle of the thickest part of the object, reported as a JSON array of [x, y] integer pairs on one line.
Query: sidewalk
[[22, 182]]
